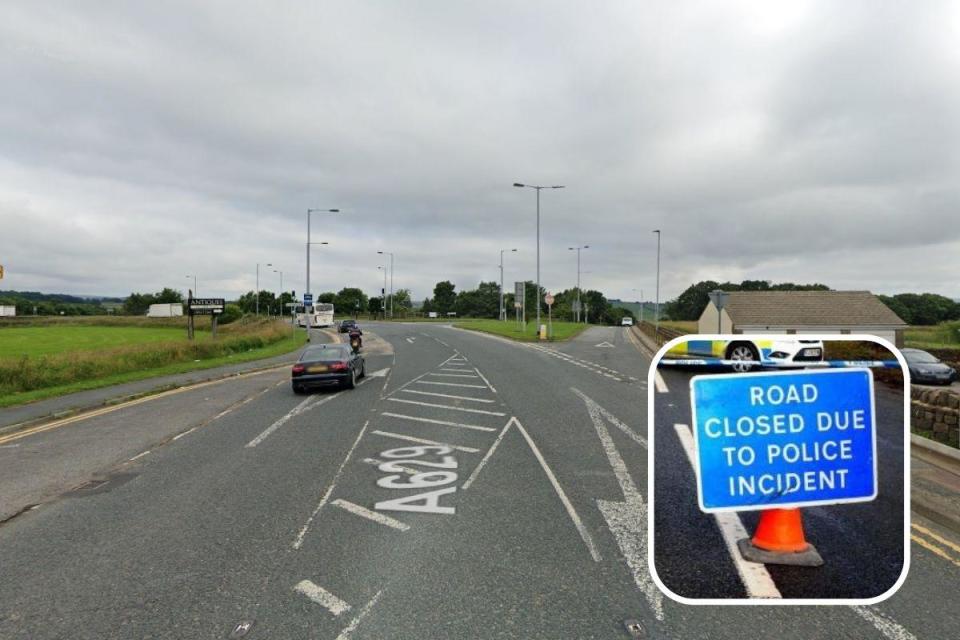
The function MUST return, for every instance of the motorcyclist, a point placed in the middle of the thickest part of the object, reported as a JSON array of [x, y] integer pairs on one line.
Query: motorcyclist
[[355, 340]]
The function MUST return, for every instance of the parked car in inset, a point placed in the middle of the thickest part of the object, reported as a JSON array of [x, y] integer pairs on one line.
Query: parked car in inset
[[925, 368]]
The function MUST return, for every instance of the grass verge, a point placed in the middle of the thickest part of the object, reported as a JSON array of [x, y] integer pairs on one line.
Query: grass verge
[[510, 329], [30, 379]]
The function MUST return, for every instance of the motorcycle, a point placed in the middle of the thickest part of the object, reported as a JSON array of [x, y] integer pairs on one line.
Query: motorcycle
[[355, 340]]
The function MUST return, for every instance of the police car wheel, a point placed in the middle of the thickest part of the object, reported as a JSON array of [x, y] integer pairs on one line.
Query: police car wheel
[[745, 353]]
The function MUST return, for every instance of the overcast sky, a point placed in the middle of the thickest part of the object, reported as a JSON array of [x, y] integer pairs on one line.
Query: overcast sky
[[817, 141]]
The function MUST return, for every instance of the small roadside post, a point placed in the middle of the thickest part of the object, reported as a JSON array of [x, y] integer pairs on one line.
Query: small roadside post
[[777, 441], [549, 300], [719, 300]]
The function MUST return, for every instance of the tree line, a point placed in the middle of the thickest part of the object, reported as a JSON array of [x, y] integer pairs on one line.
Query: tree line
[[484, 302], [913, 308]]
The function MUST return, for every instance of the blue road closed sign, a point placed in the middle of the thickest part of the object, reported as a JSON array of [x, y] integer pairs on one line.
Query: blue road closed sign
[[784, 439]]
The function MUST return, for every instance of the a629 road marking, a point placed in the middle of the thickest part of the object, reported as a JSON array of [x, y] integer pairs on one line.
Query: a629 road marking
[[436, 474]]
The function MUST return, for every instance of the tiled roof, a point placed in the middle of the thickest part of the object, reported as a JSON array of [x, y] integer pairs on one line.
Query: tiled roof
[[809, 308]]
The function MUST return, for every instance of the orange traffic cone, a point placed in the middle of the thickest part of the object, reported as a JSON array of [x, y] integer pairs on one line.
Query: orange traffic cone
[[779, 539]]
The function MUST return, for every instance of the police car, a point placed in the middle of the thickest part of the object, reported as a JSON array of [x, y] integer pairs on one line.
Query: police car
[[774, 352]]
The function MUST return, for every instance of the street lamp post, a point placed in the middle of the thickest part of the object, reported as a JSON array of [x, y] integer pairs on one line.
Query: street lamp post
[[503, 309], [391, 280], [641, 303], [538, 188], [383, 300], [577, 249], [257, 292], [656, 331], [280, 299], [309, 211]]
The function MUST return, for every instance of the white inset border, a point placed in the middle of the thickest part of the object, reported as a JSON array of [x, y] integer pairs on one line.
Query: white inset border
[[652, 374]]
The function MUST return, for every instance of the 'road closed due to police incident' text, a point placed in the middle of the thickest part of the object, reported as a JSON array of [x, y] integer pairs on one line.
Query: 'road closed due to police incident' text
[[784, 439]]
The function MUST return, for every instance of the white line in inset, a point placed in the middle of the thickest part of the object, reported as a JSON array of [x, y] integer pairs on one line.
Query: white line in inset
[[453, 384], [577, 522], [659, 381], [448, 395], [322, 597], [398, 436], [475, 427], [363, 512], [446, 406], [754, 575]]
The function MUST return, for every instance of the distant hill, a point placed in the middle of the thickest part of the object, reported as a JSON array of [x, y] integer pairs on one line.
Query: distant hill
[[37, 296]]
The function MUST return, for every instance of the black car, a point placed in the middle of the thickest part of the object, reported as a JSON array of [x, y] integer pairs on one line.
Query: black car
[[926, 369], [325, 365], [346, 326]]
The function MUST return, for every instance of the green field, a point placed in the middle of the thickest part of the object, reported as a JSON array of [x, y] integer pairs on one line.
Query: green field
[[510, 329], [945, 335], [54, 359], [54, 339]]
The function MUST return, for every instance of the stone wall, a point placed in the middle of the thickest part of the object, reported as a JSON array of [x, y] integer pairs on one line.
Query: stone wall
[[935, 413]]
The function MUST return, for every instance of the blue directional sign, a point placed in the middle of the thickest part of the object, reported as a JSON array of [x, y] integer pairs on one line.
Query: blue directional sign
[[784, 439], [307, 299]]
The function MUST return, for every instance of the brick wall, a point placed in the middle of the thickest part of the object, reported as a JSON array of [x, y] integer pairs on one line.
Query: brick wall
[[935, 413]]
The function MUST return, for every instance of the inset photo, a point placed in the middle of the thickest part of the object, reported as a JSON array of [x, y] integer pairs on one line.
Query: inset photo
[[778, 470]]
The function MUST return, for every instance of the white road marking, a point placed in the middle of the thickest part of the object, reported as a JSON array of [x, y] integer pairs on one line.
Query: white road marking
[[487, 382], [754, 575], [377, 463], [398, 436], [475, 427], [307, 404], [326, 496], [452, 384], [350, 628], [447, 395], [363, 512], [140, 455], [322, 597], [626, 520], [14, 446], [380, 373], [889, 627], [458, 370], [446, 406], [496, 443], [577, 522], [659, 381], [452, 375], [410, 340]]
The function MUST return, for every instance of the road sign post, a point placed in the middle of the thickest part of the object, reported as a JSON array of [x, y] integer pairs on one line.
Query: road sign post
[[776, 441], [549, 300]]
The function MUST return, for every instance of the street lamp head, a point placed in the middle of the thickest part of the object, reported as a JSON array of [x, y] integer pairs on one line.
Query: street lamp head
[[333, 210], [558, 186], [517, 184], [571, 248], [656, 230], [512, 249], [586, 246]]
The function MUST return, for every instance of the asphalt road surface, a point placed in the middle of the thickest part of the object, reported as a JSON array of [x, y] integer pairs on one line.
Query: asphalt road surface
[[470, 487]]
